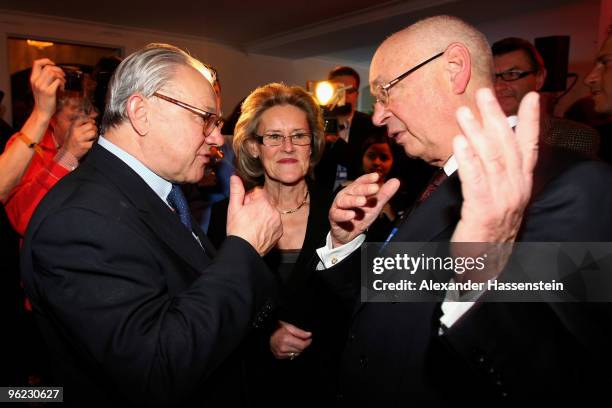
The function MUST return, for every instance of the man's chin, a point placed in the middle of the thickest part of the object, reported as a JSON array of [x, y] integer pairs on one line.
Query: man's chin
[[412, 151], [601, 105], [508, 104]]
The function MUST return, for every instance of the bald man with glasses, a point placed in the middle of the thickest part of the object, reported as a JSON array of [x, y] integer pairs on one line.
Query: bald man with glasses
[[433, 87]]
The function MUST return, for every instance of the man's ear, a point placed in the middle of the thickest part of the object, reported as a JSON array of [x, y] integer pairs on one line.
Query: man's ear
[[540, 78], [137, 109], [459, 66]]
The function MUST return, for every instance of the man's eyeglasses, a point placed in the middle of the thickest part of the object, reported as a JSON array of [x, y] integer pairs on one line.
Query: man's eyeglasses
[[513, 75], [275, 139], [210, 120], [382, 91]]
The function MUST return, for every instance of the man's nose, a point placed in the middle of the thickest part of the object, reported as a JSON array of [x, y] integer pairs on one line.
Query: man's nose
[[593, 76], [500, 84], [380, 114], [215, 137]]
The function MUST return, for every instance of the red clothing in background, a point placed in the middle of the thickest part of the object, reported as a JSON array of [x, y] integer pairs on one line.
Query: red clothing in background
[[42, 174]]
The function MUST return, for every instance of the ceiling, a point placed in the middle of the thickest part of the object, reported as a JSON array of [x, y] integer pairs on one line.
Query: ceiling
[[340, 29]]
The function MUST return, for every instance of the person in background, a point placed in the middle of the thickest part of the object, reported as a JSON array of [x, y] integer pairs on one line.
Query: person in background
[[63, 121], [599, 81], [377, 158], [101, 75], [341, 160], [520, 69], [45, 80]]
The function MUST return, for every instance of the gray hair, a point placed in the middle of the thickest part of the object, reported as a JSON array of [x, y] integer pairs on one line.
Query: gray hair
[[261, 99], [145, 72]]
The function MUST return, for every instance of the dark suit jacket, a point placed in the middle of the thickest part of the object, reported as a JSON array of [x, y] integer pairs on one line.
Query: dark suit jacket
[[570, 135], [496, 351], [134, 311]]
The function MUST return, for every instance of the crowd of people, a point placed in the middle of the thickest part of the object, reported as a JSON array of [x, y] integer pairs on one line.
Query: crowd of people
[[166, 263]]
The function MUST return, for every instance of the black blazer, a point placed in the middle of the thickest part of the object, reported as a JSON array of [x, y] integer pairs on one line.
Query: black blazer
[[496, 351], [306, 302], [133, 310], [296, 301]]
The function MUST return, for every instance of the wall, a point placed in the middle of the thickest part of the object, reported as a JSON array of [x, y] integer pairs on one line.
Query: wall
[[239, 72]]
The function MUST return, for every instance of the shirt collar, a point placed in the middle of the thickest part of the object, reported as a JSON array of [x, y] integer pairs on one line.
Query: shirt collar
[[159, 185], [451, 164]]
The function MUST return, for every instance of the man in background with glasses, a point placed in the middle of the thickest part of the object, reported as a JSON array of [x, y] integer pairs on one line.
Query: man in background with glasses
[[433, 84], [135, 304], [520, 69]]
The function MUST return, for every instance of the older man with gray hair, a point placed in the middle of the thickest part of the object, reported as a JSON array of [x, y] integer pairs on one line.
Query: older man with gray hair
[[134, 303]]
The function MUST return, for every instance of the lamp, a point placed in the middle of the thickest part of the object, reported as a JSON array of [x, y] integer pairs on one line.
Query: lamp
[[331, 96], [41, 45]]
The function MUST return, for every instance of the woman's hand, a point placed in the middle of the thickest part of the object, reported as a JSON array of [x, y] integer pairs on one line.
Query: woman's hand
[[288, 341]]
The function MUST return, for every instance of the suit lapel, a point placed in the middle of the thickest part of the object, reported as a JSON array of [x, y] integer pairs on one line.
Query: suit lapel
[[152, 210], [317, 227], [206, 244], [435, 218]]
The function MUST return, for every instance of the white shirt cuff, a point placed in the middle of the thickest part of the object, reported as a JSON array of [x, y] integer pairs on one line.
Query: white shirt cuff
[[330, 256], [66, 159], [456, 305]]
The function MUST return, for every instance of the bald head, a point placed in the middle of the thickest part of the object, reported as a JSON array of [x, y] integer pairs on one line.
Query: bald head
[[434, 34], [452, 61]]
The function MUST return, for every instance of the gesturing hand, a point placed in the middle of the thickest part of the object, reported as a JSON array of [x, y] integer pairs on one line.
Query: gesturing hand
[[252, 217], [496, 168], [357, 206]]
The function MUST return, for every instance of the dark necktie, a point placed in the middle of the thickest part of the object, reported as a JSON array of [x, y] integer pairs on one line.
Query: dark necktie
[[177, 200], [434, 183]]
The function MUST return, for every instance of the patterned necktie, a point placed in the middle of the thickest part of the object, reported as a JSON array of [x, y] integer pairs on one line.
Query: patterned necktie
[[177, 200], [437, 179], [434, 183]]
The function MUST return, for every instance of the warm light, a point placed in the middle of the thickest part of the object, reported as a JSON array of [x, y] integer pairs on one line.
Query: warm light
[[209, 74], [324, 92], [41, 45]]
